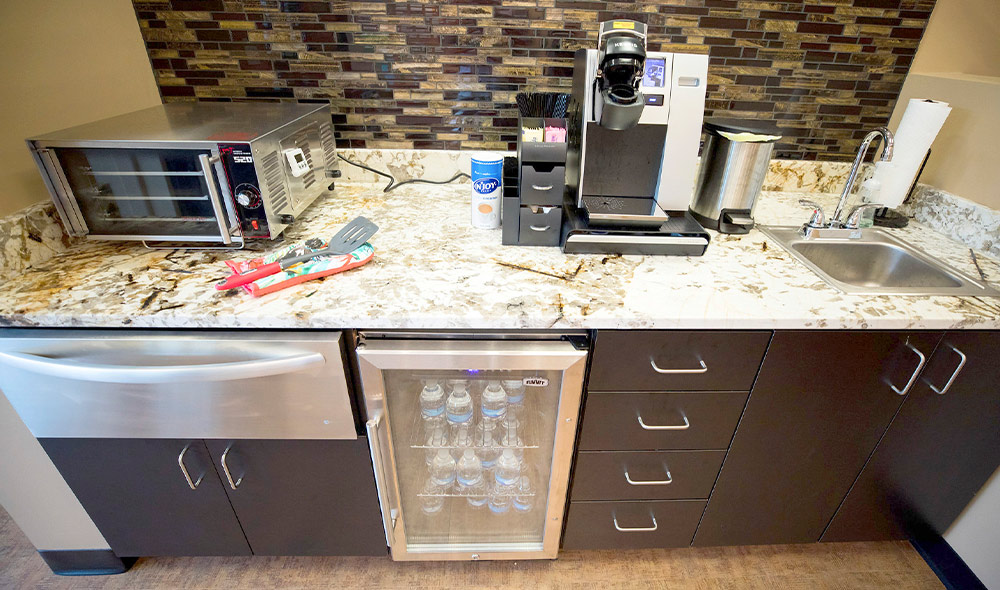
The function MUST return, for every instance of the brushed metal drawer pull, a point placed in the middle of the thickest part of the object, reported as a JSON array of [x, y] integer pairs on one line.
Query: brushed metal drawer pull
[[652, 482], [187, 476], [225, 469], [641, 529], [541, 188], [540, 227], [685, 426], [958, 369], [913, 377], [702, 369]]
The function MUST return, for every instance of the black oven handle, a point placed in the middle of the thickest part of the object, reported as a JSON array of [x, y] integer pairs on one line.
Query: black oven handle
[[213, 195]]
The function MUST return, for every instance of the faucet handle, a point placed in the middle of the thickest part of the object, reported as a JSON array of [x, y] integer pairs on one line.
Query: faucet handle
[[854, 217], [818, 218]]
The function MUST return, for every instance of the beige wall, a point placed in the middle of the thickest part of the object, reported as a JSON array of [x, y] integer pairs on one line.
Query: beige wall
[[958, 62], [64, 62], [36, 496], [963, 158], [975, 535], [962, 36]]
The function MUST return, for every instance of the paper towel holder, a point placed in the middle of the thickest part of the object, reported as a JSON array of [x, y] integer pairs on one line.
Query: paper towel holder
[[886, 217]]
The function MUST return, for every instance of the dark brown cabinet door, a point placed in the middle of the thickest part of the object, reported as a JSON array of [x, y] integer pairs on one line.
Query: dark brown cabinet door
[[819, 406], [138, 496], [939, 450], [303, 497]]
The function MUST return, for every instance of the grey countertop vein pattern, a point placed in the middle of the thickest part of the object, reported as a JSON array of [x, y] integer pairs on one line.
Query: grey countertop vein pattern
[[433, 271]]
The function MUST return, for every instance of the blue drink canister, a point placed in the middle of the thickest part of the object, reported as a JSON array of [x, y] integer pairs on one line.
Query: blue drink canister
[[486, 172]]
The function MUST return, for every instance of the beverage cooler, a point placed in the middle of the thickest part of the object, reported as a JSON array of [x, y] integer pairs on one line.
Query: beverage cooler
[[472, 440]]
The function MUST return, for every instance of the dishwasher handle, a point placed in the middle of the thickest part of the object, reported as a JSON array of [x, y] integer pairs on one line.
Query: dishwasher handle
[[149, 375]]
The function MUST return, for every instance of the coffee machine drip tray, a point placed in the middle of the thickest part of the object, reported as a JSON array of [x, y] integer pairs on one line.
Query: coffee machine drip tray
[[623, 211], [678, 235]]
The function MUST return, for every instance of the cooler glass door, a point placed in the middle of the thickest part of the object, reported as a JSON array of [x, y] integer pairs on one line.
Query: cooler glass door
[[154, 194], [491, 485]]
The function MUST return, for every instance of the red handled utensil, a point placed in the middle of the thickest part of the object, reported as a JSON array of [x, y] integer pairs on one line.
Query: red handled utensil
[[345, 241]]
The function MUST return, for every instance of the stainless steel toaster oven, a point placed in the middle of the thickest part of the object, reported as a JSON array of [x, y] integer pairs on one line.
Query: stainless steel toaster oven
[[190, 172]]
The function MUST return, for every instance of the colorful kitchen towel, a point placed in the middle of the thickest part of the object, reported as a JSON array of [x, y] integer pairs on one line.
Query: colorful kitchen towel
[[320, 266]]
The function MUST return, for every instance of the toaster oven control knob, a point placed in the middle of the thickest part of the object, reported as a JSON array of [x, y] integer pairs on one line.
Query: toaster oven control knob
[[247, 196]]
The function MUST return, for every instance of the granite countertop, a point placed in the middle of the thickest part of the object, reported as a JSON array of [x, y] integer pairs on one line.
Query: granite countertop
[[432, 270]]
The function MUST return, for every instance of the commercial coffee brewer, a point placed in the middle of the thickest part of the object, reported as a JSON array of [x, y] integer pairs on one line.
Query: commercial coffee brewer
[[634, 130]]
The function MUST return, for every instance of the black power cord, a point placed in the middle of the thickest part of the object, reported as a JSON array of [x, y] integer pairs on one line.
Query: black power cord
[[393, 184]]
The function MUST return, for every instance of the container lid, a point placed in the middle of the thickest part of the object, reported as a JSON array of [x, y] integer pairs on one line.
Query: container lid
[[756, 127], [487, 158]]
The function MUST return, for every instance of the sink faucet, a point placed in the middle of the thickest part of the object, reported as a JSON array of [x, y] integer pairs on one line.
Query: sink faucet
[[887, 142], [818, 223]]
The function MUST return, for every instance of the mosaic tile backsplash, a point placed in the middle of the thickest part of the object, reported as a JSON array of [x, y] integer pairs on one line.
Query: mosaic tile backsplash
[[443, 75]]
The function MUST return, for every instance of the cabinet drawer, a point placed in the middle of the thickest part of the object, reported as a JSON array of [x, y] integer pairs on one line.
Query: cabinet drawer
[[632, 525], [611, 421], [676, 360], [542, 227], [645, 475], [542, 184]]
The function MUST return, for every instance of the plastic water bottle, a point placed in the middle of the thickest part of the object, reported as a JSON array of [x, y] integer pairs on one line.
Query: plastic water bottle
[[508, 470], [515, 396], [494, 406], [462, 438], [509, 435], [470, 469], [443, 468], [452, 383], [515, 390], [459, 406], [524, 499], [432, 497], [436, 438], [470, 479], [477, 494], [500, 497], [489, 447], [432, 401]]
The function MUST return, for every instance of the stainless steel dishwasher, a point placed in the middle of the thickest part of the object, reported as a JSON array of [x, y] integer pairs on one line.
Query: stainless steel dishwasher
[[187, 443]]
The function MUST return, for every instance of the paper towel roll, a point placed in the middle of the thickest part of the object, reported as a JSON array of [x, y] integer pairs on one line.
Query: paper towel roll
[[919, 126]]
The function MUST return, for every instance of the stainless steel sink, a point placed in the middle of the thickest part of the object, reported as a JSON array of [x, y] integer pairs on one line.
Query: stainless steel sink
[[876, 264]]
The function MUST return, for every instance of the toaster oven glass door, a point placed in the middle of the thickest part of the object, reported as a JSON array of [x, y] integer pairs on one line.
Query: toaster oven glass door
[[166, 194]]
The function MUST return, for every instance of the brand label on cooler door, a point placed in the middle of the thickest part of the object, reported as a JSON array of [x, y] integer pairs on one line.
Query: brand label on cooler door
[[536, 381]]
